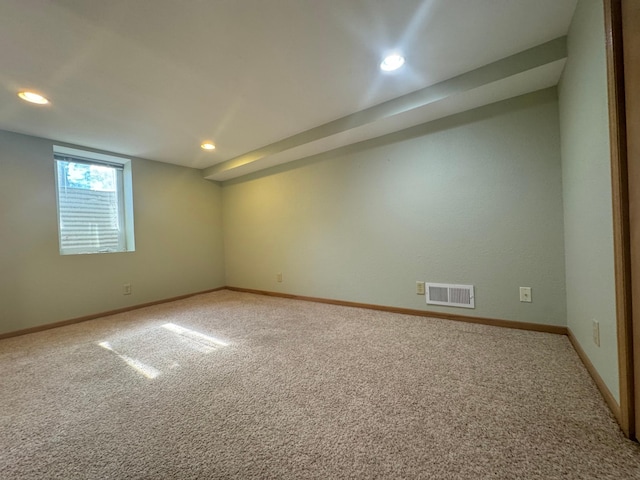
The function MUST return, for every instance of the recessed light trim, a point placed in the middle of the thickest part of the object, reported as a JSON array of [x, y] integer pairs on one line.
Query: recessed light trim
[[392, 62], [33, 97], [208, 146]]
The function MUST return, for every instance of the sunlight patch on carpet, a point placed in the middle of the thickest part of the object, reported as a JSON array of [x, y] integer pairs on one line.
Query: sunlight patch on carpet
[[194, 336], [163, 348], [141, 367]]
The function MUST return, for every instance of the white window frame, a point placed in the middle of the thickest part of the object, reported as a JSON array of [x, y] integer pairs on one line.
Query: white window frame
[[124, 190]]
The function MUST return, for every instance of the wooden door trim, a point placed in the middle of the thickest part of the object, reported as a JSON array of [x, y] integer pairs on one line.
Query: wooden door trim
[[621, 183], [630, 27]]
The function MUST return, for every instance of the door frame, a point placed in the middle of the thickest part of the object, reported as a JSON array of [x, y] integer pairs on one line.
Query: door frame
[[622, 28]]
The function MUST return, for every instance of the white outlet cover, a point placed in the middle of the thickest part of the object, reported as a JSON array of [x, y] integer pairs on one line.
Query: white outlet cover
[[525, 294]]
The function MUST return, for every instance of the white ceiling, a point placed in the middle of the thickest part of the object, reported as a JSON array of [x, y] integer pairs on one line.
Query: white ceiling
[[154, 78]]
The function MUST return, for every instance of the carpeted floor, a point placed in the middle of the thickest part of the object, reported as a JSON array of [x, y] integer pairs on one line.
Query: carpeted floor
[[234, 385]]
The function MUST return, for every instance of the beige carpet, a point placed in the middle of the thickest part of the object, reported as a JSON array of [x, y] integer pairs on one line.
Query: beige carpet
[[233, 385]]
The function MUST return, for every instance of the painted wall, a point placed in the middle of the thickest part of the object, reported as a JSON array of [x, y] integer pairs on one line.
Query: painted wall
[[178, 241], [586, 174], [473, 199]]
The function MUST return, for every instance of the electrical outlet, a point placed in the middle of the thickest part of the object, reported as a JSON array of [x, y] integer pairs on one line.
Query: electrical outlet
[[525, 294], [420, 288], [279, 277], [596, 332], [126, 289]]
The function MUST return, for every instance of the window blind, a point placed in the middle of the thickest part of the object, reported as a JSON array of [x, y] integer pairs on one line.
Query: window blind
[[90, 206]]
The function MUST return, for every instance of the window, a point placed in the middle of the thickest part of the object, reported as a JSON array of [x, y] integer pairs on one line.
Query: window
[[95, 209]]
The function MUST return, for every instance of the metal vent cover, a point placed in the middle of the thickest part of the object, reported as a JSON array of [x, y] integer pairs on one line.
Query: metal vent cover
[[450, 295]]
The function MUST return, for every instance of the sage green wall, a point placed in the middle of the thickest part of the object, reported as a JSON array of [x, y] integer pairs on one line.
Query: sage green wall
[[586, 174], [178, 241], [473, 199]]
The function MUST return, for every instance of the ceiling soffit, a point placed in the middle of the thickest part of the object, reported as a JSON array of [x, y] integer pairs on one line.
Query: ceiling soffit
[[548, 57]]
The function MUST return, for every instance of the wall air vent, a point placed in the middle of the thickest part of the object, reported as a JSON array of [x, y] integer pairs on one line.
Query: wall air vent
[[450, 295]]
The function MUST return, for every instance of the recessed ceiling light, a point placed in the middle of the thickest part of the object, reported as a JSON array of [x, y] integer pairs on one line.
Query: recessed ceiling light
[[33, 97], [392, 62], [208, 146]]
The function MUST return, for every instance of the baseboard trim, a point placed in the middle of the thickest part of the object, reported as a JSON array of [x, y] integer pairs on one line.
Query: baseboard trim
[[604, 390], [84, 318], [536, 327]]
